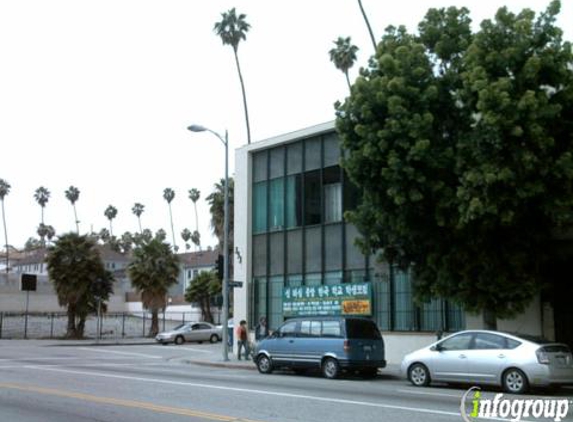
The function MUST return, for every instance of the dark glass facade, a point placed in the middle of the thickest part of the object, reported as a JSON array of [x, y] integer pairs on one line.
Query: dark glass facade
[[299, 237]]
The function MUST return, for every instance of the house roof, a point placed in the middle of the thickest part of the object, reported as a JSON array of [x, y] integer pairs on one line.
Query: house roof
[[199, 259]]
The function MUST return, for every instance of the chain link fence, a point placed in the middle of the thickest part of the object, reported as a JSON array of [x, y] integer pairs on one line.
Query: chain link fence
[[117, 325]]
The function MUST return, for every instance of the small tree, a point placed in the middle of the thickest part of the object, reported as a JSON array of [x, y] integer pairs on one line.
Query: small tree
[[154, 268], [202, 290]]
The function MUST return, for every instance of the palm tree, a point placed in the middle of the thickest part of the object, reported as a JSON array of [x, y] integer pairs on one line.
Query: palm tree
[[196, 239], [138, 210], [169, 195], [194, 195], [216, 202], [186, 236], [232, 29], [204, 287], [343, 56], [50, 233], [74, 279], [154, 268], [367, 25], [5, 190], [110, 212], [42, 196], [73, 194]]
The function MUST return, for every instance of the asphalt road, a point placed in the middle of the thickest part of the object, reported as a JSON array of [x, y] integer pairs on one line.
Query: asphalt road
[[47, 383]]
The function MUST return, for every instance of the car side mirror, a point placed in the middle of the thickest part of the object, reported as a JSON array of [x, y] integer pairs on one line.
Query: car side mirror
[[437, 348]]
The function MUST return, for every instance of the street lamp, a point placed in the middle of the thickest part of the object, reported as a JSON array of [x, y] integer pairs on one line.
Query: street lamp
[[225, 141]]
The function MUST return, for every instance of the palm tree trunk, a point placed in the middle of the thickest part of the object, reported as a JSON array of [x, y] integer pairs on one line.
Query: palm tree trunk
[[209, 315], [77, 222], [368, 25], [244, 97], [196, 224], [154, 323], [71, 331], [172, 229], [110, 228], [140, 229], [6, 240], [81, 327], [348, 81]]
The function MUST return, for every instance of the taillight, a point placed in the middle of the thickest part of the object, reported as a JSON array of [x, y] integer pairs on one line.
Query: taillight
[[346, 346], [542, 357]]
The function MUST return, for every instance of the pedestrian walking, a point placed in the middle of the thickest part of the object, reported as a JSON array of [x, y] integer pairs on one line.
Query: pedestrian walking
[[261, 329], [243, 340]]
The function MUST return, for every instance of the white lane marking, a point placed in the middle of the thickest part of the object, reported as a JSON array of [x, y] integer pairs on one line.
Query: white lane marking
[[82, 365], [61, 358], [183, 348], [253, 391], [427, 393], [99, 350]]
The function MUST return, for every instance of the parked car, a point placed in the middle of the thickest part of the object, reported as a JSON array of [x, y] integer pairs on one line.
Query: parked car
[[514, 362], [330, 344], [198, 331]]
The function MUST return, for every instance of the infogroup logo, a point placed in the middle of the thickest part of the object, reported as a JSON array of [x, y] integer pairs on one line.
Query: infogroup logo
[[510, 408]]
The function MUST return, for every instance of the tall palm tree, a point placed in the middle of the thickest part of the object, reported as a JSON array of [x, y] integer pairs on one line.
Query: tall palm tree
[[194, 195], [186, 236], [216, 202], [138, 210], [169, 195], [73, 194], [153, 269], [343, 56], [110, 212], [5, 190], [367, 25], [232, 29], [196, 238], [42, 196]]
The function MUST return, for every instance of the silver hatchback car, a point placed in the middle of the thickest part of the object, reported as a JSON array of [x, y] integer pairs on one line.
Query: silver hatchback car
[[514, 362], [198, 331]]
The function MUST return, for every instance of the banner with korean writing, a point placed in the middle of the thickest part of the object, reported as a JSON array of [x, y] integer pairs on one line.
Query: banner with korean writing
[[327, 300]]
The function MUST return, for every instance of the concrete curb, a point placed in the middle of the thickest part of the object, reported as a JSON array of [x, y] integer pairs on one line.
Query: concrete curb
[[218, 364]]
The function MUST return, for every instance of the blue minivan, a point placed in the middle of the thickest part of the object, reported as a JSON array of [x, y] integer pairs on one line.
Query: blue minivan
[[330, 344]]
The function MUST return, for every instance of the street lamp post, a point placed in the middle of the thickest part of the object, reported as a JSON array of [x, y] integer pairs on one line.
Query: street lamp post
[[225, 141]]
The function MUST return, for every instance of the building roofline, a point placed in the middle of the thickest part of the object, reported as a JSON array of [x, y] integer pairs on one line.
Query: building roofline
[[290, 136]]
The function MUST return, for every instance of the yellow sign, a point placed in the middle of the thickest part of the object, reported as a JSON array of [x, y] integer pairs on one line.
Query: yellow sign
[[356, 307]]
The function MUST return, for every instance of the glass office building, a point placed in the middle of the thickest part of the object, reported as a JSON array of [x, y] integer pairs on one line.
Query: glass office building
[[295, 234]]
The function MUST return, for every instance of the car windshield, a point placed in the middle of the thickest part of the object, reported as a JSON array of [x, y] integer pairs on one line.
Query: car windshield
[[362, 329]]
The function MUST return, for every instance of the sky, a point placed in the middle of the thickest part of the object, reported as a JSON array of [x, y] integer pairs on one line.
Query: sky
[[98, 94]]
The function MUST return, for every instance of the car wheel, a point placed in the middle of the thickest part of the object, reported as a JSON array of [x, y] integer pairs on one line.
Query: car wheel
[[264, 364], [179, 340], [514, 381], [330, 368], [214, 338], [419, 375]]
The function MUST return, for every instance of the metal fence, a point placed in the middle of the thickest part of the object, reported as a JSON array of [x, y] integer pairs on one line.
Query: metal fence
[[118, 325]]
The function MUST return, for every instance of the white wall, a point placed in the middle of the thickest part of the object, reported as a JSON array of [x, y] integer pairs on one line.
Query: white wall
[[398, 345]]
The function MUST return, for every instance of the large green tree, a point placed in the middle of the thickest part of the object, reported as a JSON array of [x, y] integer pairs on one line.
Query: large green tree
[[5, 190], [462, 146], [79, 278], [154, 268], [202, 290], [232, 29]]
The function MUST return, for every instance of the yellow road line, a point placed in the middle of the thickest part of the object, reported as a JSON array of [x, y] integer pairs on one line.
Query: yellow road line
[[124, 403]]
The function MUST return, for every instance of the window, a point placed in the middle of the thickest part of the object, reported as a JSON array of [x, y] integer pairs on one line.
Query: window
[[288, 330], [277, 205], [487, 341], [260, 207], [293, 201], [457, 342], [310, 329], [362, 329], [332, 194], [331, 329], [312, 193]]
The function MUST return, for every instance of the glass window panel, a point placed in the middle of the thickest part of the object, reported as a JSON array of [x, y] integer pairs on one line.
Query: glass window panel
[[331, 329], [312, 193], [294, 252], [276, 285], [354, 257], [277, 168], [333, 277], [293, 201], [294, 280], [331, 149], [313, 279], [312, 154], [259, 255], [277, 253], [260, 298], [260, 166], [332, 202], [457, 342], [294, 158], [333, 247], [260, 207], [313, 252], [277, 206]]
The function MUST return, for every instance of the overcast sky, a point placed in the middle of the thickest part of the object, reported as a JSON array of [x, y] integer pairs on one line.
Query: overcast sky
[[97, 94]]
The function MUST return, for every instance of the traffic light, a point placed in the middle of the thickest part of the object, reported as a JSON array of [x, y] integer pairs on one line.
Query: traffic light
[[220, 267]]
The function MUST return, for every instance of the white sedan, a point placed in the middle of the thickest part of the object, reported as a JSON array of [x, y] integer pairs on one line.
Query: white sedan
[[192, 331]]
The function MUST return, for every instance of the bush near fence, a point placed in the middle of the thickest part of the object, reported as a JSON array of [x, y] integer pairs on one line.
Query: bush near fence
[[114, 325]]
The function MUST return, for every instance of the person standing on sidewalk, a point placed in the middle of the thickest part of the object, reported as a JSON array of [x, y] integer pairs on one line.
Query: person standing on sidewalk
[[261, 329], [243, 339]]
